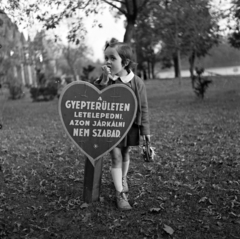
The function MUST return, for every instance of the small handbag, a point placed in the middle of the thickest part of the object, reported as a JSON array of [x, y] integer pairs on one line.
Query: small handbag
[[148, 152]]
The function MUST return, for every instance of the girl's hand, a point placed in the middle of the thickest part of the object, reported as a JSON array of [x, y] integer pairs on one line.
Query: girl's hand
[[106, 75]]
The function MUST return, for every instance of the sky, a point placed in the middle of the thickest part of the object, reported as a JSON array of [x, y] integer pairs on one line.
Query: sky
[[97, 37]]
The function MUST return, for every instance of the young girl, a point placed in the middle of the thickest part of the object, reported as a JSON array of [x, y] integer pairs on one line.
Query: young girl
[[117, 70]]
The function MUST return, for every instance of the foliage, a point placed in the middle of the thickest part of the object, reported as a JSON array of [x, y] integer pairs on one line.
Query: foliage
[[74, 10], [148, 24], [15, 89], [131, 9], [234, 38], [40, 47], [68, 80], [11, 53], [190, 191], [146, 41], [202, 30], [193, 37], [200, 83], [69, 58], [41, 78], [166, 61], [163, 34], [74, 57], [86, 73], [5, 66], [221, 55], [45, 93], [44, 51]]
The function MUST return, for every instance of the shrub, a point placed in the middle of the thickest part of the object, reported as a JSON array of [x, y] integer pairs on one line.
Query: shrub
[[45, 93], [15, 89], [201, 83], [86, 73]]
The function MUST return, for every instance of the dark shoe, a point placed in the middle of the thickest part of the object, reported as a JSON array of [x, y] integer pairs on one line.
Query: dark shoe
[[125, 185], [122, 202]]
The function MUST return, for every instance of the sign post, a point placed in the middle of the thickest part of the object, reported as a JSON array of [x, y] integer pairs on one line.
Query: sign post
[[96, 121], [92, 180]]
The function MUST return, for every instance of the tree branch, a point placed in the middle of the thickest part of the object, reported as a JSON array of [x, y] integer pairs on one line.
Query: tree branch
[[128, 9], [135, 9], [79, 4], [122, 2], [142, 6], [118, 8]]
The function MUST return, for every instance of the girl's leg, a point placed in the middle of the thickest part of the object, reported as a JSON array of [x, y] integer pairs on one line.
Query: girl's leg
[[125, 167], [116, 170], [126, 161]]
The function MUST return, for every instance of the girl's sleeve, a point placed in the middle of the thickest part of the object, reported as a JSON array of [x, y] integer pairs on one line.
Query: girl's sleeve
[[145, 126]]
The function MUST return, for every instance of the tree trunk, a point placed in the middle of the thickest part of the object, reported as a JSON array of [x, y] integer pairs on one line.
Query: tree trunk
[[144, 74], [191, 69], [177, 65], [149, 70], [73, 72], [129, 31], [152, 65]]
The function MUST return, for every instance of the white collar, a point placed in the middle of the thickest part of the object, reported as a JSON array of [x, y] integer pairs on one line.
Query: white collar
[[125, 79]]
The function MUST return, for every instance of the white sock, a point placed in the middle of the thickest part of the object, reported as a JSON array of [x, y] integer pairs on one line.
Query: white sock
[[117, 178], [125, 167]]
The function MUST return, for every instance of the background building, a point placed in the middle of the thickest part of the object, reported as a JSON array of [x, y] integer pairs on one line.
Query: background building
[[16, 57]]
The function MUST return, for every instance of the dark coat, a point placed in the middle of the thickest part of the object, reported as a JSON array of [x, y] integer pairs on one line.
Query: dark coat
[[142, 116]]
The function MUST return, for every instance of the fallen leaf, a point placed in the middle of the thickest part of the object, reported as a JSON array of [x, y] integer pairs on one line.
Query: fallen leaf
[[203, 199], [87, 217], [168, 229], [77, 179], [155, 210], [60, 153], [84, 205]]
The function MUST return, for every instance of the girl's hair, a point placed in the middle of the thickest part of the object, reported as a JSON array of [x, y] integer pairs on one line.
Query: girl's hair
[[125, 51]]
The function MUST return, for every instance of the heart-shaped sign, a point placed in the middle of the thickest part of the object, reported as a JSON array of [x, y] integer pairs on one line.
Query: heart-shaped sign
[[96, 121]]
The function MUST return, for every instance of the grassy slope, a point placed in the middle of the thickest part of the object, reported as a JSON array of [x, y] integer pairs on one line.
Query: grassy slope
[[192, 187]]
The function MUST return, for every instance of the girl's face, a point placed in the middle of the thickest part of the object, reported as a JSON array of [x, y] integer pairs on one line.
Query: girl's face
[[114, 62]]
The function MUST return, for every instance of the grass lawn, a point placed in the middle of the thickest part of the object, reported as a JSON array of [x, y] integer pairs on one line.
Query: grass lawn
[[192, 190]]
